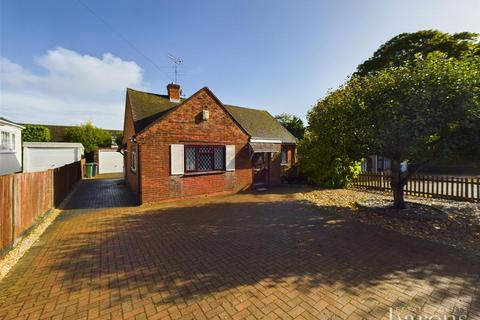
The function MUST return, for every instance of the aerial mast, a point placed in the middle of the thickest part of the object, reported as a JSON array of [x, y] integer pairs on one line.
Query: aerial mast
[[176, 63]]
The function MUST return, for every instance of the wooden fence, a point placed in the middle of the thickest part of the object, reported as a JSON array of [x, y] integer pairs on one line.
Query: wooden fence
[[27, 196], [435, 186], [64, 179]]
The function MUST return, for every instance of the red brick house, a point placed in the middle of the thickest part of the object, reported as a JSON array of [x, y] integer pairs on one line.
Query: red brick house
[[176, 148]]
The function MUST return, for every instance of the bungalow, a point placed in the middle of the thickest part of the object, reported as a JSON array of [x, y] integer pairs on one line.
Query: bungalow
[[176, 148], [10, 147]]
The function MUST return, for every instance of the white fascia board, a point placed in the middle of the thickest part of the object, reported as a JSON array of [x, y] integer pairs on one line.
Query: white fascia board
[[265, 140]]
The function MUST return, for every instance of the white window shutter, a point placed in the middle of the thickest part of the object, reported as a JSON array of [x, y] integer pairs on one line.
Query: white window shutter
[[176, 159], [230, 157]]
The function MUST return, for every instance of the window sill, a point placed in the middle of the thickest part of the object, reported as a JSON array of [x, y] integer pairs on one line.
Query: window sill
[[8, 151], [201, 173], [284, 164]]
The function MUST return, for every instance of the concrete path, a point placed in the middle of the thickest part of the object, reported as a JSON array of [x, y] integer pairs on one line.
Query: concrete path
[[246, 256]]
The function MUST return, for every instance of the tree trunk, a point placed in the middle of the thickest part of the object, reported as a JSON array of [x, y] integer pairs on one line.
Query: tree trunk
[[397, 184]]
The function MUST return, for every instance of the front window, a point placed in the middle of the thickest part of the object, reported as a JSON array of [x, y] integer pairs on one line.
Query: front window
[[204, 158]]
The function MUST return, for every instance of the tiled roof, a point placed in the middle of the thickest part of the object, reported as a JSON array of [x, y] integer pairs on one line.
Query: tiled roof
[[259, 124], [148, 107]]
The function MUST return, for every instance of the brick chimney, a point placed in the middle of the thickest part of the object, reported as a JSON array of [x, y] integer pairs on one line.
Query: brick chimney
[[174, 92]]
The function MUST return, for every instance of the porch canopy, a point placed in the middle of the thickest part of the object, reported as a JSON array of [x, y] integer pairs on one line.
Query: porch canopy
[[265, 147]]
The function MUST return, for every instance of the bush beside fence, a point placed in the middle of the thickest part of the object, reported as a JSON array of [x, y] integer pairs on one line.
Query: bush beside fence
[[27, 196], [435, 186]]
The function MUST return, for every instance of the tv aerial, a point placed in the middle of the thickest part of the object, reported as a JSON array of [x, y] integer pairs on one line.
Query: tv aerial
[[176, 64]]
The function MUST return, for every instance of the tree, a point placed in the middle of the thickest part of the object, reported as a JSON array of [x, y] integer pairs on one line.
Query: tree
[[426, 107], [324, 164], [35, 133], [89, 136], [406, 45], [292, 123], [118, 137]]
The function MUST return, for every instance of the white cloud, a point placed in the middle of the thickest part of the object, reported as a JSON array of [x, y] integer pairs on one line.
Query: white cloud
[[73, 88]]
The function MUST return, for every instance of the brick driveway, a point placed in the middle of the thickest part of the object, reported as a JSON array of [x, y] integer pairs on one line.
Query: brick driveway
[[244, 256]]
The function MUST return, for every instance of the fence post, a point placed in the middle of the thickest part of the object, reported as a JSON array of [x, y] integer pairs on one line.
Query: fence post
[[466, 188], [15, 208], [478, 189], [52, 194], [12, 211]]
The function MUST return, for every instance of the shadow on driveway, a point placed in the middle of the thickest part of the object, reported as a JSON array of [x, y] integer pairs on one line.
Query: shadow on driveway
[[241, 256], [101, 193], [196, 251]]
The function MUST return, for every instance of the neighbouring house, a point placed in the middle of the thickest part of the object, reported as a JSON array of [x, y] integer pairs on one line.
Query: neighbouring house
[[10, 146], [40, 156], [177, 148], [378, 164]]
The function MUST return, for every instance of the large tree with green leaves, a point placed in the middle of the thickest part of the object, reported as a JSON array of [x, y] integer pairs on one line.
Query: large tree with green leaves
[[406, 46], [35, 133], [416, 111], [292, 123], [90, 136]]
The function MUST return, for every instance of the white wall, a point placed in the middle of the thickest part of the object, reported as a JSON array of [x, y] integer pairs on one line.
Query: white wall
[[43, 158], [11, 161]]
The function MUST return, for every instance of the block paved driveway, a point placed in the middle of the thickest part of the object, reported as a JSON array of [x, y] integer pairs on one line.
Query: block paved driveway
[[245, 256]]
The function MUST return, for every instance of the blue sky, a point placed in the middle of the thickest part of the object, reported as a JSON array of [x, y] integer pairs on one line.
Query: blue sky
[[59, 64]]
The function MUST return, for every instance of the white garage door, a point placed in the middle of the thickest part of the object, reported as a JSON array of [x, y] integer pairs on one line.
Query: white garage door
[[110, 161], [39, 159]]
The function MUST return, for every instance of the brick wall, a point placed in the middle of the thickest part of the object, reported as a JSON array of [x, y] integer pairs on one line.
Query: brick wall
[[185, 126], [291, 158]]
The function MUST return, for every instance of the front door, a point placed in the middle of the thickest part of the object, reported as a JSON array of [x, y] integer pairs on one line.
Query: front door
[[260, 168]]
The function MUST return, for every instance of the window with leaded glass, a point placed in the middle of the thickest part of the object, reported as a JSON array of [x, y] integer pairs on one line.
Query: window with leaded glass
[[219, 158], [204, 158], [190, 158]]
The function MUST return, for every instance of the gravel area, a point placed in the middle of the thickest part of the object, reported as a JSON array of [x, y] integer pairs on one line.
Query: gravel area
[[8, 261], [11, 258], [450, 222]]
